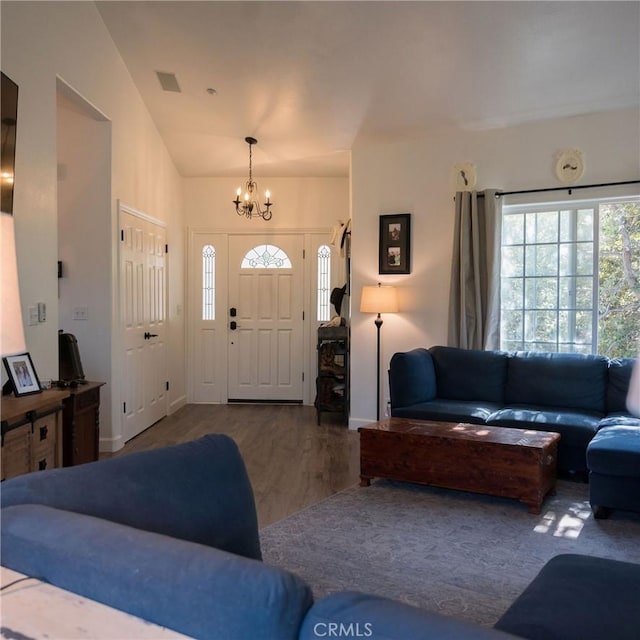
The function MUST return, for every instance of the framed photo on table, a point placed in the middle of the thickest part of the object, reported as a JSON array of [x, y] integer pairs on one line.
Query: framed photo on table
[[394, 246], [22, 374]]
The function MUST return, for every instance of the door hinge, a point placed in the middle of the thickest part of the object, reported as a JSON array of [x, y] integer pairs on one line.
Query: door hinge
[[167, 385], [303, 315], [303, 376], [304, 254], [166, 248], [122, 235], [124, 407]]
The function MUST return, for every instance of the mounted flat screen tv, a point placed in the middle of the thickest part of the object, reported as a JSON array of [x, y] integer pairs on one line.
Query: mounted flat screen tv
[[9, 116]]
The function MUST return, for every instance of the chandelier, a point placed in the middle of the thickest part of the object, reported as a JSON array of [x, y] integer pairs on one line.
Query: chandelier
[[249, 206]]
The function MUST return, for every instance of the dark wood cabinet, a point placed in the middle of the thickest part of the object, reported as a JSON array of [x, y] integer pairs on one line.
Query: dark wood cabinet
[[332, 383], [32, 432], [81, 424]]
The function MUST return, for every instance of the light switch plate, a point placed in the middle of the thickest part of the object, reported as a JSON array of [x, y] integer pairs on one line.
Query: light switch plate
[[33, 315]]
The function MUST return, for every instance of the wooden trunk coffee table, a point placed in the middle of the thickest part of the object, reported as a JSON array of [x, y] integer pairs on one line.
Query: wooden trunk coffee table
[[498, 461]]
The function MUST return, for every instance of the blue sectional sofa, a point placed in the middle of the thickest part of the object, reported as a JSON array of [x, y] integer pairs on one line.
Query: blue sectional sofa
[[572, 394], [170, 535]]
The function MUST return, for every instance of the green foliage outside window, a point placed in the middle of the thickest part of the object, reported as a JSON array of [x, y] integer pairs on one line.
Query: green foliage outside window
[[619, 280]]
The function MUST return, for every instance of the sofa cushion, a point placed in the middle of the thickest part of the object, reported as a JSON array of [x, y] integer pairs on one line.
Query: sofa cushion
[[468, 374], [569, 380], [576, 597], [448, 411], [575, 428], [197, 491], [412, 378], [615, 451], [194, 589], [619, 375], [358, 615]]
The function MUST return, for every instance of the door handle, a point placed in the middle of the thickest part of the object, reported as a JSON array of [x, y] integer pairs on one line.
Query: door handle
[[148, 336]]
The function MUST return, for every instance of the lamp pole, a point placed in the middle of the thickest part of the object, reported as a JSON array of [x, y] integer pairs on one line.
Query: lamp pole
[[378, 299], [378, 323]]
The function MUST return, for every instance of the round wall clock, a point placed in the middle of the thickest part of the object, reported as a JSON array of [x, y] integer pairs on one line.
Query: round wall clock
[[570, 165], [463, 176]]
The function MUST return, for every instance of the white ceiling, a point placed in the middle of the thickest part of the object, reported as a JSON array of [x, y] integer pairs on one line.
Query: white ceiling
[[308, 78]]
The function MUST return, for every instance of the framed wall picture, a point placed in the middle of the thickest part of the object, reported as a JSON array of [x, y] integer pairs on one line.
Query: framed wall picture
[[394, 247], [22, 374]]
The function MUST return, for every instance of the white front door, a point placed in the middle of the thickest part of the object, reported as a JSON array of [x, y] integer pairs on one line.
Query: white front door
[[265, 318], [143, 320]]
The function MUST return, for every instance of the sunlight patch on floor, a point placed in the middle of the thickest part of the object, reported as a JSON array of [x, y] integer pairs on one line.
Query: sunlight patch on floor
[[565, 525]]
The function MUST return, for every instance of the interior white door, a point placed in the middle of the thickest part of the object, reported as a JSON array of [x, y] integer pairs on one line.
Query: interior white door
[[143, 320], [265, 318]]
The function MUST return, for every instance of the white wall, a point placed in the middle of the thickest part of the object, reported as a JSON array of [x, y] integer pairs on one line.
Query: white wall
[[414, 177], [40, 42], [84, 225], [299, 203]]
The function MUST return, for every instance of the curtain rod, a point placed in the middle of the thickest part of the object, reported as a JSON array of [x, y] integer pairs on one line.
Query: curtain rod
[[569, 189]]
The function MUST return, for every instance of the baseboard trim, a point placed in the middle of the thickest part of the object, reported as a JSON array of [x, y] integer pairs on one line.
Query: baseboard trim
[[176, 404]]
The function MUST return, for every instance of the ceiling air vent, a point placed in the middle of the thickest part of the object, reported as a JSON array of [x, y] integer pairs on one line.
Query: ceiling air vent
[[168, 81]]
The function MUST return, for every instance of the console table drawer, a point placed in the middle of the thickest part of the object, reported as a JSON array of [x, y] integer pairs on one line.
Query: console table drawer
[[16, 451], [44, 442]]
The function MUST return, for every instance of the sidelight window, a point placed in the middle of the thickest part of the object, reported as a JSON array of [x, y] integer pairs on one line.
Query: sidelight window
[[324, 283], [208, 282]]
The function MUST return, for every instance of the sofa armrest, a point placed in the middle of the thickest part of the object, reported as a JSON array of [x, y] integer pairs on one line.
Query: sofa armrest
[[412, 378], [578, 597], [197, 491], [194, 589]]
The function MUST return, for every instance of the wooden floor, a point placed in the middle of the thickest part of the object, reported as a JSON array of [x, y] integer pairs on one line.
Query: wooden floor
[[292, 462]]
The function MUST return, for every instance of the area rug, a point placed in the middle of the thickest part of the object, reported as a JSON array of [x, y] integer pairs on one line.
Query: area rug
[[457, 553]]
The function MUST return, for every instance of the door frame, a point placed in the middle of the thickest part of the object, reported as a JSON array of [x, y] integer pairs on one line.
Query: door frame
[[309, 324]]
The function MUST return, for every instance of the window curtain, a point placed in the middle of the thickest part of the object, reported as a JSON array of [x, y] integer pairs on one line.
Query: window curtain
[[474, 301]]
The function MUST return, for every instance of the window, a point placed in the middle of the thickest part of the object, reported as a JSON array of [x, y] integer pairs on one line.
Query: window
[[324, 280], [208, 283], [570, 277], [266, 256]]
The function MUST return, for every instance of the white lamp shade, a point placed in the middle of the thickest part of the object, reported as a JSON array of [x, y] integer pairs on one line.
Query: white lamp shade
[[12, 339], [379, 299]]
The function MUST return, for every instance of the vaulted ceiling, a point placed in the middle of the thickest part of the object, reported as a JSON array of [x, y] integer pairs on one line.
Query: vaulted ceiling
[[308, 78]]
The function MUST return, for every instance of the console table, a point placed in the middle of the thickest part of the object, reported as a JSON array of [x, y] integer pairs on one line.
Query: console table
[[32, 432], [81, 424]]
